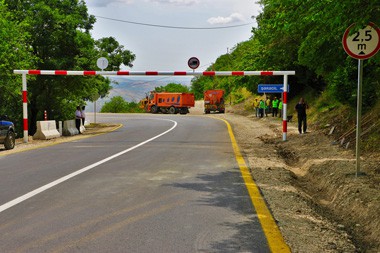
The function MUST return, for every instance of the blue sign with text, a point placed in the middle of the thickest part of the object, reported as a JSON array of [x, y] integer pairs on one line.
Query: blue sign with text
[[271, 88]]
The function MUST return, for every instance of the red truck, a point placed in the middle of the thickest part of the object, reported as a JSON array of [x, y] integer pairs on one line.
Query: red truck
[[214, 101], [167, 102]]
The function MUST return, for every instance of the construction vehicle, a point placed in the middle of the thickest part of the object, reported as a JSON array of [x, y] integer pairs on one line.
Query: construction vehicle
[[143, 103], [172, 103], [214, 101]]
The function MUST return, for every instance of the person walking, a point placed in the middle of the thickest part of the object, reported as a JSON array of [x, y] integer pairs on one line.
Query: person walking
[[275, 107], [78, 118], [256, 107], [301, 114]]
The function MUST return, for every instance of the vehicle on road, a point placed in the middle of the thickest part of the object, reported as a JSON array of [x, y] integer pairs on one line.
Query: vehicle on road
[[214, 101], [168, 102], [7, 133]]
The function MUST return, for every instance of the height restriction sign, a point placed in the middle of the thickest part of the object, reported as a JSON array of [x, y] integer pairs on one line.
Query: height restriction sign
[[363, 44]]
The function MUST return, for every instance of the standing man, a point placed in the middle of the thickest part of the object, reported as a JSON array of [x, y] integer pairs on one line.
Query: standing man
[[301, 114], [78, 118], [280, 107], [83, 114], [268, 105], [261, 108], [275, 107], [256, 107]]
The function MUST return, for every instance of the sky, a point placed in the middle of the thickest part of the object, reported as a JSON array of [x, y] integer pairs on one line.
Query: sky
[[158, 43]]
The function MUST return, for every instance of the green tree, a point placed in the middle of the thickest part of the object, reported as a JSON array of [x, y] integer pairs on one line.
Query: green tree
[[172, 87], [115, 53], [60, 39], [14, 54], [306, 36], [117, 104]]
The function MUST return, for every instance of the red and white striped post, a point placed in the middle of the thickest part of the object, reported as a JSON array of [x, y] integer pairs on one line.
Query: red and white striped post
[[285, 106], [25, 107], [151, 73]]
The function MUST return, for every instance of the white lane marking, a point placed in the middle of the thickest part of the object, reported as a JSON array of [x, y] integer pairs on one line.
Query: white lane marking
[[76, 173]]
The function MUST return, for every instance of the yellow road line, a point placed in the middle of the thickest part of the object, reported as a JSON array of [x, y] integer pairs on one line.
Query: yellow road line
[[273, 234]]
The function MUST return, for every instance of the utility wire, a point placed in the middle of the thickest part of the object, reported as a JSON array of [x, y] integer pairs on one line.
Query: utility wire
[[175, 27]]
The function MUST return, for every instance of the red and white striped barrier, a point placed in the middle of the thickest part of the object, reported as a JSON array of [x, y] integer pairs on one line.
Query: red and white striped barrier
[[151, 73]]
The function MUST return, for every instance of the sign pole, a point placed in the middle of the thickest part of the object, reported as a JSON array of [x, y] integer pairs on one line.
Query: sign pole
[[361, 45], [359, 115]]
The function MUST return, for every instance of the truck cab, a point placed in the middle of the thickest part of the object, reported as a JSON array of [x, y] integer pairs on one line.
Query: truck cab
[[214, 101]]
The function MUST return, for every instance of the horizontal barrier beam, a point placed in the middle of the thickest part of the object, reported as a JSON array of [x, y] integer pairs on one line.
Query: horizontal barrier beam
[[153, 73]]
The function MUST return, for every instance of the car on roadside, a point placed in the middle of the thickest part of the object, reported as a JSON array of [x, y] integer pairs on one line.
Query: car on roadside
[[7, 132]]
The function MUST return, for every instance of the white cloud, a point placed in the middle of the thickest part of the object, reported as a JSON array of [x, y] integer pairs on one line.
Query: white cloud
[[105, 3], [177, 2], [233, 18]]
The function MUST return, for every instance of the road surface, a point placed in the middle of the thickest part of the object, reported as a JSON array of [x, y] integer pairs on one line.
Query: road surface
[[160, 183]]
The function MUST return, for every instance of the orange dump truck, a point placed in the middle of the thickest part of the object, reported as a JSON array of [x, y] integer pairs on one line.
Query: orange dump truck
[[167, 102], [214, 101]]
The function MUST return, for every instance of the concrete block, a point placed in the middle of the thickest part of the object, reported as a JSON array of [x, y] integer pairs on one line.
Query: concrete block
[[69, 128], [46, 130]]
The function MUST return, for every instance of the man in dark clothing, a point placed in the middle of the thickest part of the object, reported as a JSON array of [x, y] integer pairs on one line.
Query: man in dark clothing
[[301, 114]]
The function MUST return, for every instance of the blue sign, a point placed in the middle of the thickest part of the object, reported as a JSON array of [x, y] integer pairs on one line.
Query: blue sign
[[271, 88]]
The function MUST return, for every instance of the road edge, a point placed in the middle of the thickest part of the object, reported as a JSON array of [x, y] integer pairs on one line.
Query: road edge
[[272, 232]]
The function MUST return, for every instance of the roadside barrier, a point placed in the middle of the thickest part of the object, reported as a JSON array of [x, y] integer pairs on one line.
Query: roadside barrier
[[69, 128], [46, 130]]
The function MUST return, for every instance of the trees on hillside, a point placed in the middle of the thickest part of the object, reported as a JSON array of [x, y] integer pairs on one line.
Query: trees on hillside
[[117, 104], [59, 38], [311, 33], [172, 87], [305, 36]]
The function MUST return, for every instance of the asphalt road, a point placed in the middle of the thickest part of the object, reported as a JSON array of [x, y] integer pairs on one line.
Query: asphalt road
[[160, 183]]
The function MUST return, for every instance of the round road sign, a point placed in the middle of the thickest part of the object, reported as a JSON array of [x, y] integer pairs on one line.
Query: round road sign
[[102, 63], [193, 63], [363, 44]]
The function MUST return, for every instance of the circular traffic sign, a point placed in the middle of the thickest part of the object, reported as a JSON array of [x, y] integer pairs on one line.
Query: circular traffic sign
[[363, 44], [102, 63], [193, 63]]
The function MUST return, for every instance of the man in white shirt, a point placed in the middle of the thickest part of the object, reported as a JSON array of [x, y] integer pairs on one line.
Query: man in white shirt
[[78, 118]]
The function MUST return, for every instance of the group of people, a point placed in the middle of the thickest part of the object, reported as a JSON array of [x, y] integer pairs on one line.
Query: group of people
[[264, 107], [276, 107], [80, 117]]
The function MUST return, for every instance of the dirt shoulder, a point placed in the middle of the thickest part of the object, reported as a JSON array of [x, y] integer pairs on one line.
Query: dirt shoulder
[[311, 187]]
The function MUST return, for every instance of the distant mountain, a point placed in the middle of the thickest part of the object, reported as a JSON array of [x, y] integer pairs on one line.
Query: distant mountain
[[135, 88]]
